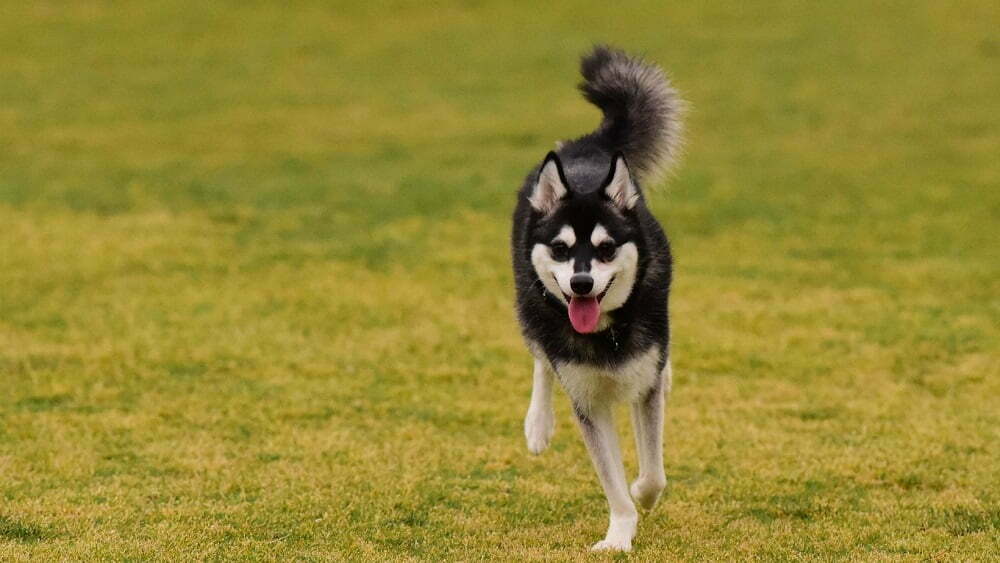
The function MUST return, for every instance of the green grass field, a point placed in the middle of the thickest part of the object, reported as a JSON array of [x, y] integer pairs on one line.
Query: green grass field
[[255, 298]]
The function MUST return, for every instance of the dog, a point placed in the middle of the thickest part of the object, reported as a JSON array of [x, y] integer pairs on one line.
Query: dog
[[592, 271]]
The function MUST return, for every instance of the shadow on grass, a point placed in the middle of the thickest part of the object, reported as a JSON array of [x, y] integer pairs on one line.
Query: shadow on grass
[[42, 402], [960, 521], [11, 529]]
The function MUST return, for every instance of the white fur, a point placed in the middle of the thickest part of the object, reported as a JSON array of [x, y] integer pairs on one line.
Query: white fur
[[549, 188], [599, 235], [556, 275], [539, 423], [622, 190], [594, 390], [591, 386], [647, 421], [623, 269], [566, 235]]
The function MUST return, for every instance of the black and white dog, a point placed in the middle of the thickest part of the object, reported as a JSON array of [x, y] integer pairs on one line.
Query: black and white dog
[[592, 268]]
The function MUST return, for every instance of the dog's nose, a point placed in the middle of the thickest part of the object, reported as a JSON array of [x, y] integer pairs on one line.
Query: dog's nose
[[581, 283]]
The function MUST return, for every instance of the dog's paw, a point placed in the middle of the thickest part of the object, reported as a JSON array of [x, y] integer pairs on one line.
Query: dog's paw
[[612, 545], [539, 425], [646, 490], [621, 530]]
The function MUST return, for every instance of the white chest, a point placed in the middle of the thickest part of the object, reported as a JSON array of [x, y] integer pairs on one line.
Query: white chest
[[589, 386]]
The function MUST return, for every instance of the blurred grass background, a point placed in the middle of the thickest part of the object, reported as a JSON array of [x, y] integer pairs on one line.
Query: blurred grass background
[[255, 298]]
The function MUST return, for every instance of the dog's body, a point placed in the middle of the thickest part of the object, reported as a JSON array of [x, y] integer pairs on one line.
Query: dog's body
[[592, 269]]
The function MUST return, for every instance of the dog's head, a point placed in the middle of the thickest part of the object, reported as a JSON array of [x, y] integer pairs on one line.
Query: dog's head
[[584, 246]]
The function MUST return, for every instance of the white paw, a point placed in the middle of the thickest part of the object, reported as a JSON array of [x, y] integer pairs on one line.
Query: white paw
[[612, 545], [646, 490], [539, 425], [621, 530]]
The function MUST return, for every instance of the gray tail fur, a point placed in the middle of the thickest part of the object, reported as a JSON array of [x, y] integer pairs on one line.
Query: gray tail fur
[[642, 111]]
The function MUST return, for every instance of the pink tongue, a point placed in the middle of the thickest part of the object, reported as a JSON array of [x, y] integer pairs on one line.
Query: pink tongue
[[583, 313]]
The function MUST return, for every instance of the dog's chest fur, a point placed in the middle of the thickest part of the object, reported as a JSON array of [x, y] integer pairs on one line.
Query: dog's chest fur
[[589, 385]]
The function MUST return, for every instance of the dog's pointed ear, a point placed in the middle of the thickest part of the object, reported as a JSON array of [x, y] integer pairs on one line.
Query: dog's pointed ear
[[618, 186], [550, 187]]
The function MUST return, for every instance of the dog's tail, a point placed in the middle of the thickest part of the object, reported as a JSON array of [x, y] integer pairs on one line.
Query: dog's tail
[[642, 111]]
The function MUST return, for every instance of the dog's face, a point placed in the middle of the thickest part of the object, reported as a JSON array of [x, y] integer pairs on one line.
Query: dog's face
[[583, 247]]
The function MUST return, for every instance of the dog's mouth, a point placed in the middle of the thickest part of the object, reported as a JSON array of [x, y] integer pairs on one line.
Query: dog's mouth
[[584, 311], [599, 298]]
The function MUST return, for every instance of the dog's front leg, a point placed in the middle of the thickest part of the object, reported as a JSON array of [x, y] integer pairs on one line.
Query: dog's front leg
[[599, 434], [539, 423], [647, 417]]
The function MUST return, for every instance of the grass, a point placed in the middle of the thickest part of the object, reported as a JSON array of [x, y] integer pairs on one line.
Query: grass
[[255, 300]]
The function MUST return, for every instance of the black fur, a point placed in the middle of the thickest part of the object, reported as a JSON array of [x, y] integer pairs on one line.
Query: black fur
[[641, 109], [641, 123]]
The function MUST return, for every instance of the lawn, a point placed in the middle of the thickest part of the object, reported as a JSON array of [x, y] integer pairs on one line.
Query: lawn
[[256, 301]]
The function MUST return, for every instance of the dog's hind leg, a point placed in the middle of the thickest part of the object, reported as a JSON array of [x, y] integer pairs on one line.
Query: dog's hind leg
[[539, 423], [647, 416], [602, 443]]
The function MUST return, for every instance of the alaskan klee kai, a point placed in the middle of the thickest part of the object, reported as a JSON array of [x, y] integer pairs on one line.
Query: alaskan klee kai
[[592, 268]]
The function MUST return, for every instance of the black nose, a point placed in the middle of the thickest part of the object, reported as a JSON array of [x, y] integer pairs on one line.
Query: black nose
[[581, 283]]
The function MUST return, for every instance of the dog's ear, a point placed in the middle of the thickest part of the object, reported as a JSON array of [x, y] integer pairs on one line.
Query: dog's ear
[[550, 187], [618, 186]]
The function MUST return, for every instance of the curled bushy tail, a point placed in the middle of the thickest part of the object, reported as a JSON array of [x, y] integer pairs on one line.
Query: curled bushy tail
[[641, 109]]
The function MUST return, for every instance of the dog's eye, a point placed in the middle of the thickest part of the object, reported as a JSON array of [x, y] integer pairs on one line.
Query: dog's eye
[[560, 251], [606, 251]]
